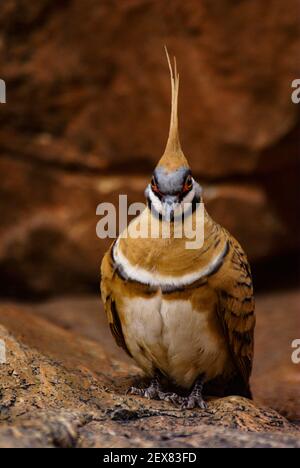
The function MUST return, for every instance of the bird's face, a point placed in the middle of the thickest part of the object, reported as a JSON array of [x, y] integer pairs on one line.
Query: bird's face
[[169, 193]]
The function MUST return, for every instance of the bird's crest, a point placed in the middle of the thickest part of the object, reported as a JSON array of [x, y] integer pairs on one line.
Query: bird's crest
[[173, 157]]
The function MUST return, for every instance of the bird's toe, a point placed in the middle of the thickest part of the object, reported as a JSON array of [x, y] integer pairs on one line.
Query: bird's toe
[[192, 402], [151, 393], [171, 397], [135, 391]]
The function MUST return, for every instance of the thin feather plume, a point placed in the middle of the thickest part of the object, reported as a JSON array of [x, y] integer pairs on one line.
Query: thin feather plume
[[173, 143]]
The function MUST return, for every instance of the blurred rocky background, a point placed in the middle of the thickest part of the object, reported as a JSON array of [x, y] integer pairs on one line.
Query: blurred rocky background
[[86, 119]]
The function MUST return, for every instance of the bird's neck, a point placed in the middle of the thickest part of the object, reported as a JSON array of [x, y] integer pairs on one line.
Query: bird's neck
[[170, 253]]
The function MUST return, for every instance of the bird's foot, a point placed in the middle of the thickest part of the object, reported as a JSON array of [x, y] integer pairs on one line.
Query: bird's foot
[[155, 392], [172, 397], [152, 392], [195, 398], [192, 402]]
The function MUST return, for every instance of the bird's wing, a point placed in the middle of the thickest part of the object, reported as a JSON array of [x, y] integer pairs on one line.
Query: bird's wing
[[236, 311], [110, 306]]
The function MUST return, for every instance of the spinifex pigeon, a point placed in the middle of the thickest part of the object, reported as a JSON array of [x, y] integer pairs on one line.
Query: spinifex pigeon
[[185, 315]]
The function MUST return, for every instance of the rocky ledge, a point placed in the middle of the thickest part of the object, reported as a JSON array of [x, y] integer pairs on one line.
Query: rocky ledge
[[59, 388]]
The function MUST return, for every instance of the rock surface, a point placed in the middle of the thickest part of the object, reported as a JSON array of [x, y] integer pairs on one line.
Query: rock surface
[[87, 117], [59, 388], [275, 378], [90, 86]]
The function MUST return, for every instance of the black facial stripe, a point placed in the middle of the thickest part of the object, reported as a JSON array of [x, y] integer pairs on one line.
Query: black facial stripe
[[154, 178], [182, 195], [159, 194]]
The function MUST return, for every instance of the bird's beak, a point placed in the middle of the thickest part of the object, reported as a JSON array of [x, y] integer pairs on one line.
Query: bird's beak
[[168, 204]]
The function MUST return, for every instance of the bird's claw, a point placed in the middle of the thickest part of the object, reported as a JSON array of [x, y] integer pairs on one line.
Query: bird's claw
[[150, 392], [135, 391], [192, 402], [153, 392]]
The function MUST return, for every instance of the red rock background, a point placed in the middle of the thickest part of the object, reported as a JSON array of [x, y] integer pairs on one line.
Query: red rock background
[[87, 117]]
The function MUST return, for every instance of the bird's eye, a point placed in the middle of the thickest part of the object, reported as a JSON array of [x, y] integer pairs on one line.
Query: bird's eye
[[188, 184]]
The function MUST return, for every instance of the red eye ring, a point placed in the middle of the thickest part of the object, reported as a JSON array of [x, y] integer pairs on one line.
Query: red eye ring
[[188, 184]]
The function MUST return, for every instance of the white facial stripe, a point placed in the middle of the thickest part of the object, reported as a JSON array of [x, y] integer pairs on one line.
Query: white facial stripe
[[136, 273], [178, 208], [155, 201]]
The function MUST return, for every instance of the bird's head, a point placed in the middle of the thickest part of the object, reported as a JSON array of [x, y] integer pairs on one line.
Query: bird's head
[[172, 187]]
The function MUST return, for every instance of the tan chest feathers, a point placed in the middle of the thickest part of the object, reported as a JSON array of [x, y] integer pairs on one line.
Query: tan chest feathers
[[172, 337]]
